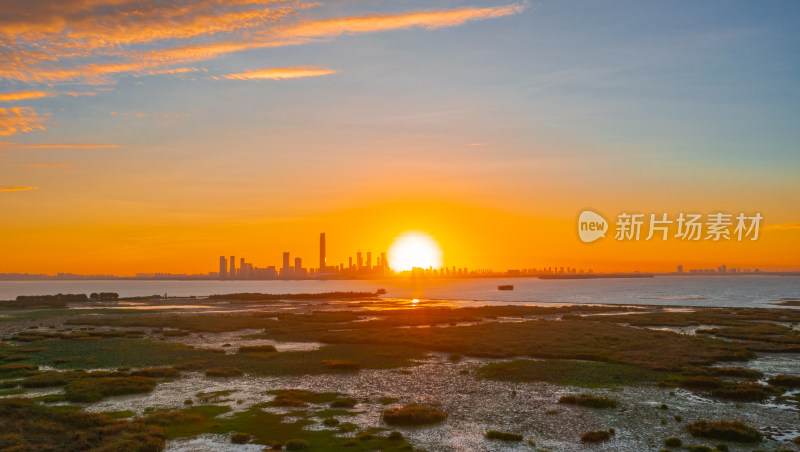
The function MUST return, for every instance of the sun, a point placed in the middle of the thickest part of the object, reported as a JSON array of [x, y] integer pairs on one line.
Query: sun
[[414, 249]]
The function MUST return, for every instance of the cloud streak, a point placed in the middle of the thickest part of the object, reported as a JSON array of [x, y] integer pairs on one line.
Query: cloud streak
[[15, 120], [47, 165], [281, 73], [384, 22], [24, 95], [12, 145], [16, 188], [93, 41]]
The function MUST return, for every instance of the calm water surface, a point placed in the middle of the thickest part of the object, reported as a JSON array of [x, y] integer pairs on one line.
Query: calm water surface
[[744, 291]]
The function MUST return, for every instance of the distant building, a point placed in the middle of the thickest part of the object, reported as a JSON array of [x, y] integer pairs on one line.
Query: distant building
[[322, 259], [359, 261], [286, 271], [680, 268], [223, 267], [369, 260], [232, 272]]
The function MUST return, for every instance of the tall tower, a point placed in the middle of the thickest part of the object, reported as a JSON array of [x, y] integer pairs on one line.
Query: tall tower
[[369, 260], [286, 259], [359, 260], [223, 267], [242, 269], [232, 272], [322, 264]]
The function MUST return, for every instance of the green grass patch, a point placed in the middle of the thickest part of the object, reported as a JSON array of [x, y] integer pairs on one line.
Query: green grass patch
[[265, 428], [27, 425], [224, 372], [342, 365], [87, 390], [143, 353], [257, 349], [700, 382], [413, 414], [156, 372], [192, 365], [588, 400], [8, 392], [344, 402], [17, 370], [504, 436], [785, 381], [587, 374], [214, 396], [41, 314], [745, 392], [565, 339], [330, 412], [724, 430], [330, 422], [299, 397], [596, 436], [736, 372], [124, 414]]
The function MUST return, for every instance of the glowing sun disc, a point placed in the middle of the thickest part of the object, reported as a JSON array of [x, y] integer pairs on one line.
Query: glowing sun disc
[[414, 249]]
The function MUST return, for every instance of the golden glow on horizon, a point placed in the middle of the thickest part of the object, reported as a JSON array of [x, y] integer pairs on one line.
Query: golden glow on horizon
[[414, 249], [281, 73], [220, 164]]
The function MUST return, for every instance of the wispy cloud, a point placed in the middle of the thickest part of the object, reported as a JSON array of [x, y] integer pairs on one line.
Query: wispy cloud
[[47, 165], [12, 145], [153, 114], [28, 95], [79, 93], [16, 120], [385, 22], [280, 73], [24, 95], [16, 188], [175, 71], [93, 40]]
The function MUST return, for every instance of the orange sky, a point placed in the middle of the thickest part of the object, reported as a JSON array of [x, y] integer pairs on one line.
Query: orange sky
[[471, 236], [138, 136]]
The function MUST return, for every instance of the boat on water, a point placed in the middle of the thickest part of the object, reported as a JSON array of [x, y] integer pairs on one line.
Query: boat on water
[[505, 287]]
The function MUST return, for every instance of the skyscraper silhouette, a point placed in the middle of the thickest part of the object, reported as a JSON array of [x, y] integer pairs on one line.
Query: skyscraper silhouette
[[322, 264]]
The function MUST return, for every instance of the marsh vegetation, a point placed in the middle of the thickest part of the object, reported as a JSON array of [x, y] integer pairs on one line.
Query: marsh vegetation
[[506, 356]]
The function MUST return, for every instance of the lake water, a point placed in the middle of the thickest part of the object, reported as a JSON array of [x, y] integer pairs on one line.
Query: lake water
[[743, 291]]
